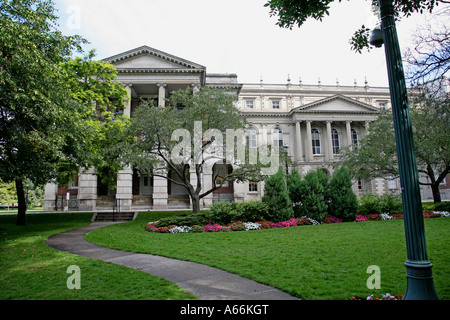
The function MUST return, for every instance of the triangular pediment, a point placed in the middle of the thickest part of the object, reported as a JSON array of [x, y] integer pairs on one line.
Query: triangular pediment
[[336, 104], [149, 58]]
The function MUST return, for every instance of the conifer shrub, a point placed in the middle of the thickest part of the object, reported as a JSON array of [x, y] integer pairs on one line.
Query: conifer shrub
[[276, 197], [294, 186], [342, 201], [313, 189]]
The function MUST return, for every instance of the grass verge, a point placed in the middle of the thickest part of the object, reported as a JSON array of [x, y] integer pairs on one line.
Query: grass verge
[[30, 270], [318, 262]]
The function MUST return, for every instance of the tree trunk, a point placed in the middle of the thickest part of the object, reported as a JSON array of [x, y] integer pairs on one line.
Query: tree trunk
[[22, 210], [436, 193], [195, 203]]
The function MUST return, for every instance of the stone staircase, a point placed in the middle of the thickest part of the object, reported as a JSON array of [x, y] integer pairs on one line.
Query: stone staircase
[[109, 216]]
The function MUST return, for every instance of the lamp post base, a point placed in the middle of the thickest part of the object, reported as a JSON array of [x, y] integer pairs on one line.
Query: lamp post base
[[420, 284]]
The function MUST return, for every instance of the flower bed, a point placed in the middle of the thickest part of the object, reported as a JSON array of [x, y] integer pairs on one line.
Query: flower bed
[[386, 296], [294, 222]]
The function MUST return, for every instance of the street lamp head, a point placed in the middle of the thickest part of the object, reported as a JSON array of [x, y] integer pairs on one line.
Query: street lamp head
[[376, 38]]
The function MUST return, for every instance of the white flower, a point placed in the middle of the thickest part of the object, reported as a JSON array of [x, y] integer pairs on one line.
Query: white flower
[[251, 226], [443, 213], [386, 216], [180, 229]]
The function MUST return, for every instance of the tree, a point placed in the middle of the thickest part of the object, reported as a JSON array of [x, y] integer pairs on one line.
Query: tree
[[428, 62], [47, 120], [276, 197], [376, 155], [342, 201], [35, 107], [187, 135], [94, 85], [7, 193], [296, 12]]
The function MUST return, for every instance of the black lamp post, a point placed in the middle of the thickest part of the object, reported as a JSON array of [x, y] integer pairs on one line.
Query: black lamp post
[[420, 284]]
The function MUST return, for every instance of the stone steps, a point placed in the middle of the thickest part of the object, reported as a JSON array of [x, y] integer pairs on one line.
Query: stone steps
[[109, 216]]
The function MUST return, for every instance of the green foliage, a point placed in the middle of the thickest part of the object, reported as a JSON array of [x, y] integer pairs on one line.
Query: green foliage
[[313, 188], [223, 212], [343, 202], [276, 197], [228, 212], [294, 186], [297, 12], [252, 211], [185, 219], [7, 193], [390, 203], [375, 204]]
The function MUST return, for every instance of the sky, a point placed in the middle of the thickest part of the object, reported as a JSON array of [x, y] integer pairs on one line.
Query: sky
[[237, 36]]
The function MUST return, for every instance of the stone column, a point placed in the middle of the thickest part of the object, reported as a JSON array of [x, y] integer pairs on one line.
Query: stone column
[[349, 133], [127, 109], [162, 95], [124, 193], [329, 154], [366, 127], [298, 142], [51, 190], [308, 141], [87, 190], [160, 195]]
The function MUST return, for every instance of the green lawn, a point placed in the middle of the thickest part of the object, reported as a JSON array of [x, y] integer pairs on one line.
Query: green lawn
[[321, 262], [30, 270]]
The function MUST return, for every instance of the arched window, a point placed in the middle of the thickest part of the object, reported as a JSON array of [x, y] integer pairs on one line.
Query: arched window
[[277, 137], [315, 136], [335, 140], [251, 139], [355, 141]]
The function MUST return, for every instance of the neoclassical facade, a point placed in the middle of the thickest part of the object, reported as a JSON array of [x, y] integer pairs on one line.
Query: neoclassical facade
[[312, 123]]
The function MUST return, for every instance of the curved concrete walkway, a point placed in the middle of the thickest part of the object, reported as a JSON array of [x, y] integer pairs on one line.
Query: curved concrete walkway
[[205, 282]]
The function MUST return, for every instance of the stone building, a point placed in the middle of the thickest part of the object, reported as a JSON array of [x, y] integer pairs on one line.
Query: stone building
[[310, 122]]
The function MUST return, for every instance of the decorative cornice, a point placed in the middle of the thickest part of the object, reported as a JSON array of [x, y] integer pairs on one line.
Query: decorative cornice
[[158, 70], [306, 108], [157, 53]]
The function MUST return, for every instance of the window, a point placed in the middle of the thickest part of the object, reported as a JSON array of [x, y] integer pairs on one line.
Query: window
[[335, 140], [355, 139], [253, 186], [249, 104], [392, 183], [221, 170], [315, 136], [276, 104], [382, 105], [251, 138], [73, 183], [277, 137]]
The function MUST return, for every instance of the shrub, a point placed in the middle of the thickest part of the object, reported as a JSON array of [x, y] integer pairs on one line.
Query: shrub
[[343, 202], [186, 219], [223, 212], [369, 204], [390, 203], [313, 203], [276, 198], [442, 206], [251, 211], [294, 187]]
